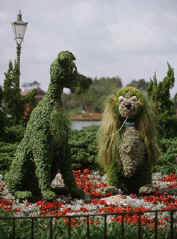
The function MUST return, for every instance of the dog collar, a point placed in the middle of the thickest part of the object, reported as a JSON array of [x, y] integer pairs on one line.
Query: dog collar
[[129, 123]]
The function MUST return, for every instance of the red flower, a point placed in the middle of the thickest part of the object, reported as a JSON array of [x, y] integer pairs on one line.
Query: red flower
[[86, 171]]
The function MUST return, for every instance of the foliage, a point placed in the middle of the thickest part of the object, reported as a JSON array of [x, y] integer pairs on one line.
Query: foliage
[[14, 133], [110, 136], [30, 101], [167, 163], [8, 145], [163, 105], [7, 153], [160, 92], [84, 148], [44, 148], [12, 102], [3, 120], [175, 101], [94, 98], [167, 125], [1, 96], [139, 84]]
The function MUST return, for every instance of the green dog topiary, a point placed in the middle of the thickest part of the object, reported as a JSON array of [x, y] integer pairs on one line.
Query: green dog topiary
[[44, 149], [127, 140]]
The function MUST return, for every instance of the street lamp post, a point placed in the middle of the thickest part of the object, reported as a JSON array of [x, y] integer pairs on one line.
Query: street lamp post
[[19, 28]]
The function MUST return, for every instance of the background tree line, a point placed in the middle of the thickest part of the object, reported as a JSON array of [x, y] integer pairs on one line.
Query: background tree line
[[94, 97]]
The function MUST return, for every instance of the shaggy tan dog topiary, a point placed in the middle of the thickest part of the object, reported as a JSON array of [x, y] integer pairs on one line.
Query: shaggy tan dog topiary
[[127, 140]]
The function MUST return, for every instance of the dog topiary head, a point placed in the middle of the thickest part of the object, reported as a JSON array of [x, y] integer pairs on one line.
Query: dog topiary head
[[64, 74], [66, 59], [128, 104], [67, 69]]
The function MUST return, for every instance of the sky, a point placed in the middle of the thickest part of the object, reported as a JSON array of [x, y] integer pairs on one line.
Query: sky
[[131, 39]]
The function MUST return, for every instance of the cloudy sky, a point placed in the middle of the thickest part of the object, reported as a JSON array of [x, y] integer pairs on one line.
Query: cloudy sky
[[127, 38]]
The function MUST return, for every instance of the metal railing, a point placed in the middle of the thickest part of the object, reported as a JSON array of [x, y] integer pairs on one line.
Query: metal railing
[[172, 231]]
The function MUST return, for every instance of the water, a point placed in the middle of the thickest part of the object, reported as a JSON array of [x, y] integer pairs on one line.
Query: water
[[81, 124]]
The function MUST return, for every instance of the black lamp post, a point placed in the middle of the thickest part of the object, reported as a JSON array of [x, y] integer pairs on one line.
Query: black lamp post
[[19, 28]]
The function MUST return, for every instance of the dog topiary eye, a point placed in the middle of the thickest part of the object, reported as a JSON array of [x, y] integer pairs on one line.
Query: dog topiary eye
[[121, 98], [134, 98]]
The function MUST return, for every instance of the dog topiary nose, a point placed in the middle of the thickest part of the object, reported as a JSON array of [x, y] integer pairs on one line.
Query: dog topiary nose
[[128, 105]]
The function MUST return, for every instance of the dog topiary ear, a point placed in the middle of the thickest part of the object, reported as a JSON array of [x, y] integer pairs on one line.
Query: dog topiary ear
[[133, 98], [121, 98]]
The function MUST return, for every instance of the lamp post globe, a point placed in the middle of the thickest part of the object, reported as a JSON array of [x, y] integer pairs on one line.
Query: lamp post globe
[[19, 28]]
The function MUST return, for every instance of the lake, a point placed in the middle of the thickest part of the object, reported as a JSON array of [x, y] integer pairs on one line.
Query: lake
[[76, 124]]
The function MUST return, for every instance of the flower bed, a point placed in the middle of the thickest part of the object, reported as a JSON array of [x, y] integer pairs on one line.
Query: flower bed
[[99, 202]]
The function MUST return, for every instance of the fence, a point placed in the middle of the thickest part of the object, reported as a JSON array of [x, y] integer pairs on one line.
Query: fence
[[172, 229]]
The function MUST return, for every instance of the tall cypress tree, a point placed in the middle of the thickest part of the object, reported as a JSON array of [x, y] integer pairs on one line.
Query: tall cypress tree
[[2, 115], [12, 100], [164, 108]]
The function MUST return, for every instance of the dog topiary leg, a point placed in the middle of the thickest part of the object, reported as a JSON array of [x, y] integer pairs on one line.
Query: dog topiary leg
[[15, 178], [43, 163]]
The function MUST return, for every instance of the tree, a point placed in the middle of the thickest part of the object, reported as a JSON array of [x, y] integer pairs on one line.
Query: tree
[[99, 90], [12, 102], [95, 96], [163, 106], [29, 102], [1, 96], [2, 115], [175, 101], [139, 84]]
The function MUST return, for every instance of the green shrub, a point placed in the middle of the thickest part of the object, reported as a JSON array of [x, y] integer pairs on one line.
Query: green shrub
[[163, 105], [84, 148], [3, 122], [8, 145], [14, 133], [167, 163], [167, 125], [7, 152]]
